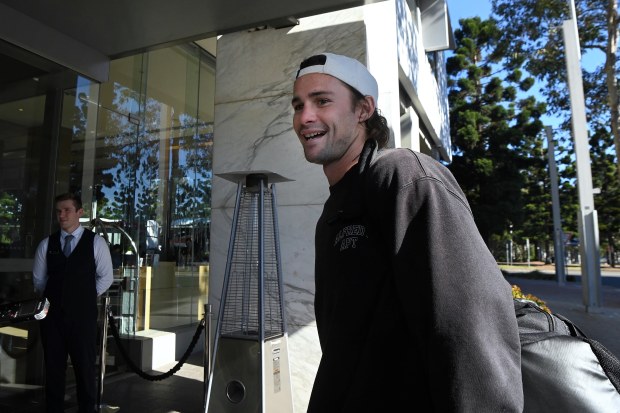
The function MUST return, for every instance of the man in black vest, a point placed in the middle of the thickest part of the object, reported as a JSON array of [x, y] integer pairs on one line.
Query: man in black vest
[[72, 267]]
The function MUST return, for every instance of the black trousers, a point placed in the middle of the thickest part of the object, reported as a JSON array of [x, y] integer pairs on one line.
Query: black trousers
[[75, 336]]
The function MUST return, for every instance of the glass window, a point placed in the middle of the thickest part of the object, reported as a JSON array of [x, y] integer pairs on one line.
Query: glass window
[[140, 156]]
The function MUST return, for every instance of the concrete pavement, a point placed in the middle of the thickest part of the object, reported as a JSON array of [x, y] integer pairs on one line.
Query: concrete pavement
[[184, 391]]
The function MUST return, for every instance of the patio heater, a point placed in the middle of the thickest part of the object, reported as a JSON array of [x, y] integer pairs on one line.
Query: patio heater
[[250, 354]]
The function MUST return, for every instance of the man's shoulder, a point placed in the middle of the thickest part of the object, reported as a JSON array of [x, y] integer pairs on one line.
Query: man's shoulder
[[98, 240], [403, 168], [100, 243], [42, 246], [54, 236], [396, 156], [406, 164], [89, 233]]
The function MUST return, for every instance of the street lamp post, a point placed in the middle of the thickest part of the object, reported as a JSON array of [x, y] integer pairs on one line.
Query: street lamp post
[[527, 250], [587, 218], [558, 235], [510, 259]]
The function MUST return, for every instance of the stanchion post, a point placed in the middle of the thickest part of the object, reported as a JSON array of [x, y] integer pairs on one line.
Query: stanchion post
[[102, 352], [207, 357]]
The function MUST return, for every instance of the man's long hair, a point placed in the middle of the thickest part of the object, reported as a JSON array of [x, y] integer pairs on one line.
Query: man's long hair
[[376, 125]]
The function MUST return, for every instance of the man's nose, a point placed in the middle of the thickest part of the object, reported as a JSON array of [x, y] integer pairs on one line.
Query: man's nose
[[307, 114]]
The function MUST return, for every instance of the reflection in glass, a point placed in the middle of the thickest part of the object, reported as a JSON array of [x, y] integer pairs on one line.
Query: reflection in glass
[[140, 156]]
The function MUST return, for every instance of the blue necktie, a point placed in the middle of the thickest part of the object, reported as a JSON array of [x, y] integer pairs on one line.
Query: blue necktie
[[67, 249]]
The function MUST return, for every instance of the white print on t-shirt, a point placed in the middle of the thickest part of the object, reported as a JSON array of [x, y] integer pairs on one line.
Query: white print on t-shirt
[[348, 236]]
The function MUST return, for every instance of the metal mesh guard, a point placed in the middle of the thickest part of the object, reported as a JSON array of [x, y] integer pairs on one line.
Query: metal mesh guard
[[241, 308]]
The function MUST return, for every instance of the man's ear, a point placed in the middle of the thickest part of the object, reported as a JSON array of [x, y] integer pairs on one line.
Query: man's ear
[[367, 106]]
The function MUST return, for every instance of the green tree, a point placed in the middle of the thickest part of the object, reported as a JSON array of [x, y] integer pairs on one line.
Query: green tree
[[532, 35], [10, 208], [608, 202], [493, 128], [538, 222]]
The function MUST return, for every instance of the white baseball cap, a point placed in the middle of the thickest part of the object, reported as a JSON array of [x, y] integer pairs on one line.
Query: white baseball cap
[[344, 68]]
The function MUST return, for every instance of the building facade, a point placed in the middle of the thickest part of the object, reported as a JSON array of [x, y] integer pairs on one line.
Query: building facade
[[142, 128]]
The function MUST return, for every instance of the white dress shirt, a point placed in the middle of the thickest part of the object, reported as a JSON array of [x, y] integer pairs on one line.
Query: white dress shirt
[[103, 261]]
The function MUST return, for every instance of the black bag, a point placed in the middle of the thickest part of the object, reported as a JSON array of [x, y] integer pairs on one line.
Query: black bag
[[563, 370]]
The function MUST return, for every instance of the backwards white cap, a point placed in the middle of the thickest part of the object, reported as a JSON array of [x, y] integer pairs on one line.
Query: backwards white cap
[[348, 70]]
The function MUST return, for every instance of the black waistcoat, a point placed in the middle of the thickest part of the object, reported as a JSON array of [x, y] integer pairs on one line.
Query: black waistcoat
[[71, 287]]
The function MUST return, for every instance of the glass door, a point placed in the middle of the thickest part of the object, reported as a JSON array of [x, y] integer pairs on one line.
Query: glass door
[[30, 91]]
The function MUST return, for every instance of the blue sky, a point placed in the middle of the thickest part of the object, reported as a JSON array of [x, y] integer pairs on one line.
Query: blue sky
[[468, 8]]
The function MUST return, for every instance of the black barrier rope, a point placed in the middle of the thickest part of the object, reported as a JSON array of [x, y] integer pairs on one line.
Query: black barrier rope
[[136, 369]]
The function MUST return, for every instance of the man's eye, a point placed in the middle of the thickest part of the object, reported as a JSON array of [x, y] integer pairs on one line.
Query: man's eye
[[297, 108], [323, 101]]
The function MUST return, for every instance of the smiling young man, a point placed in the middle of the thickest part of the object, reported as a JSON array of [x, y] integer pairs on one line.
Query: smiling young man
[[72, 267], [412, 311]]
